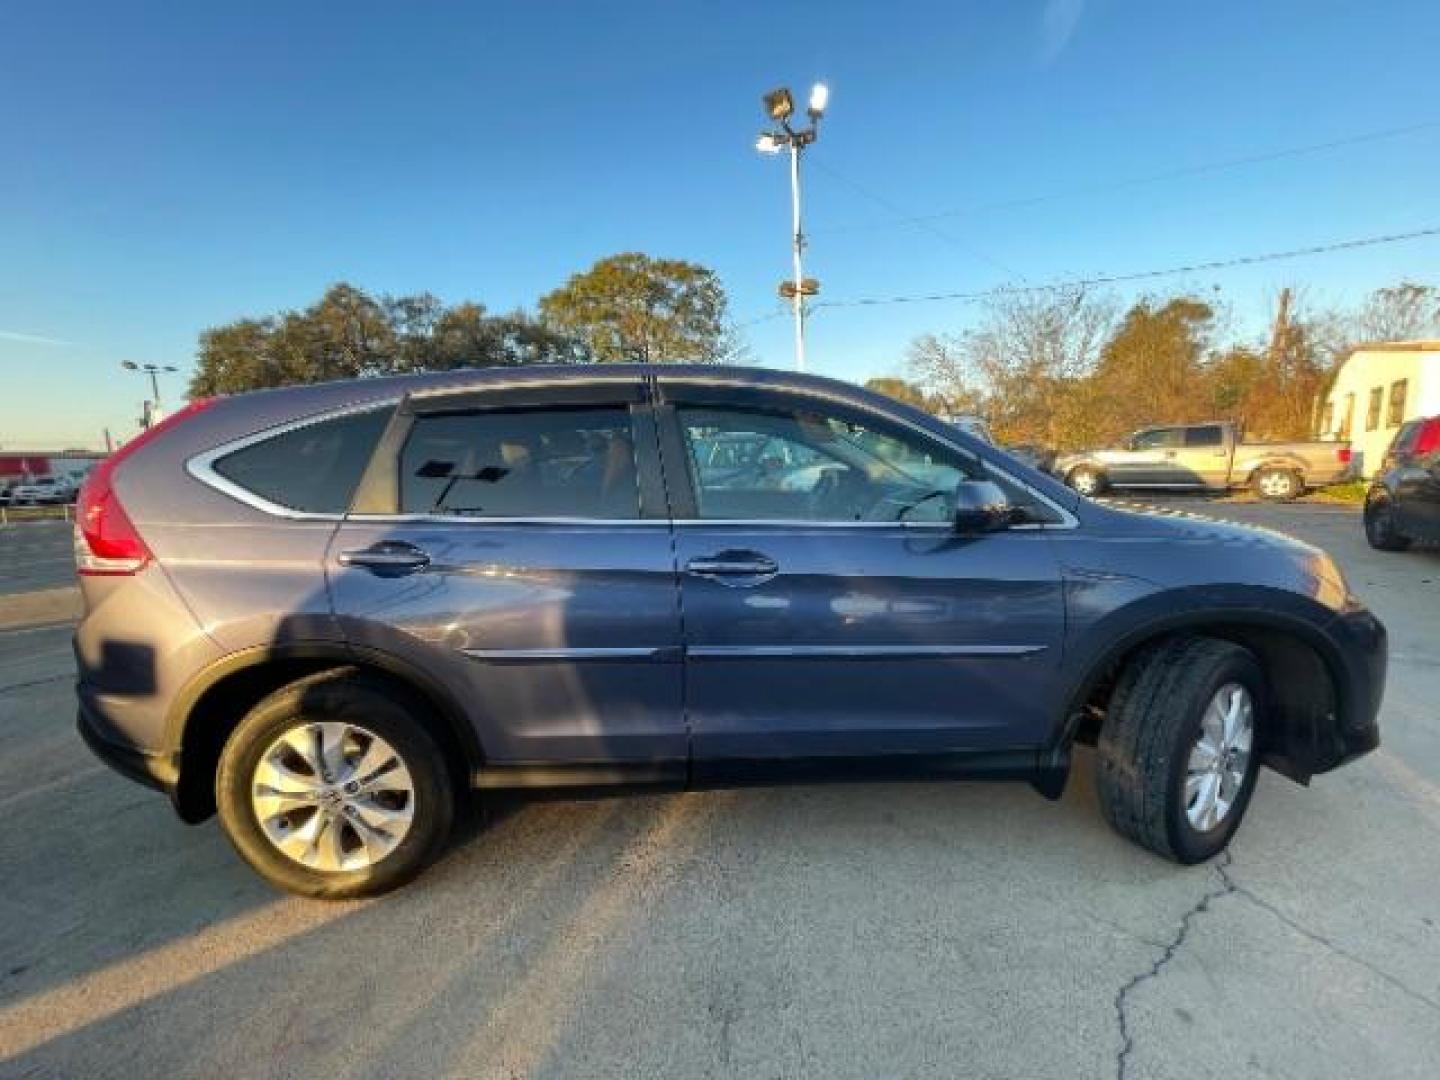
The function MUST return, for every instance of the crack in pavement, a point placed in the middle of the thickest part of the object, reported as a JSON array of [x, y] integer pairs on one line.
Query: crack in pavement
[[37, 682], [1323, 941], [1228, 887], [1122, 996]]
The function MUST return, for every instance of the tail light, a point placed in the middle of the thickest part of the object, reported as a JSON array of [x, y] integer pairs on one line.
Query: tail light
[[1428, 440], [1343, 453], [106, 540]]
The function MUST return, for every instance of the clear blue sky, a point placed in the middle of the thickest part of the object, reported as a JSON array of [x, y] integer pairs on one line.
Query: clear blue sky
[[168, 167]]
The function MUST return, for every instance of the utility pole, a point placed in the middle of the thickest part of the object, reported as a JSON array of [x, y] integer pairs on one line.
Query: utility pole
[[780, 106]]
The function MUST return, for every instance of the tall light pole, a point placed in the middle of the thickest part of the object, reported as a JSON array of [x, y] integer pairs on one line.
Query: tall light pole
[[780, 106], [153, 414]]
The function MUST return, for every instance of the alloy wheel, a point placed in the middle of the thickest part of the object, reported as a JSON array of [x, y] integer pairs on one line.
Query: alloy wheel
[[1219, 763], [333, 796]]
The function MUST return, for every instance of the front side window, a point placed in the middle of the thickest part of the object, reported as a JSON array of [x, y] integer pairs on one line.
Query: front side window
[[794, 465], [1397, 403], [314, 468], [528, 463], [1157, 439], [1372, 413]]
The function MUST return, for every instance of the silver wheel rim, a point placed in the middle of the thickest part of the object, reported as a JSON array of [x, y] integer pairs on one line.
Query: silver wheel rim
[[1085, 483], [1275, 484], [333, 796], [1220, 759]]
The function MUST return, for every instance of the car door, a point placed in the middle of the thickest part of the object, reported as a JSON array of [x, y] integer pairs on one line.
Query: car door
[[830, 609], [1202, 457], [515, 546], [1149, 460]]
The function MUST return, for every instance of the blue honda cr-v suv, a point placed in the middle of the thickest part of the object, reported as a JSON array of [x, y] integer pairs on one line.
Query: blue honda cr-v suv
[[327, 611]]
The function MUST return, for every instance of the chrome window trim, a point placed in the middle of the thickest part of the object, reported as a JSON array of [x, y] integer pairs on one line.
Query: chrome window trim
[[202, 465]]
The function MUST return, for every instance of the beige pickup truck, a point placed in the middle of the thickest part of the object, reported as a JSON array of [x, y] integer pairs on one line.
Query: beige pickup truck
[[1211, 456]]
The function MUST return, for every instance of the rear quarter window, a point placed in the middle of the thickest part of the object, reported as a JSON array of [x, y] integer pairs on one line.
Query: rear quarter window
[[314, 468]]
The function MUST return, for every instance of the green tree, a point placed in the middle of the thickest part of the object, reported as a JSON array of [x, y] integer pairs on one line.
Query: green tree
[[634, 307], [349, 334], [1154, 368]]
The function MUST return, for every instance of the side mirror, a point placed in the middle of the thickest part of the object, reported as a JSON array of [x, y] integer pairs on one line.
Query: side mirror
[[981, 506]]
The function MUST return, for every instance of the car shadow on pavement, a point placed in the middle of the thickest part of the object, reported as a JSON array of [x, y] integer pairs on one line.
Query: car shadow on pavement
[[142, 934]]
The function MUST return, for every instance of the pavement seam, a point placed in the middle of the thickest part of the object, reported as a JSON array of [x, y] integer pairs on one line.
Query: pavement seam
[[1122, 996], [1325, 942], [67, 676]]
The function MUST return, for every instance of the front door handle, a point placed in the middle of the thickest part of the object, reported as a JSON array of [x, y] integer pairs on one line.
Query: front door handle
[[733, 564], [388, 556]]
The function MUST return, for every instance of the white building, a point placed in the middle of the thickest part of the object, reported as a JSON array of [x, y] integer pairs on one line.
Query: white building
[[1377, 389]]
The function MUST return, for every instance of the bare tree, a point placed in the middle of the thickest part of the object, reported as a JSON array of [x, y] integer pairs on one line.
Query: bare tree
[[1029, 348], [1404, 312]]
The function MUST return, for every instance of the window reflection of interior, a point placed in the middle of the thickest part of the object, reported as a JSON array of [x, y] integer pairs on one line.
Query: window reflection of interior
[[578, 463]]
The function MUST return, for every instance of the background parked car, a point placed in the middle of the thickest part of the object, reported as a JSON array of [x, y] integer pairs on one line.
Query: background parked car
[[1037, 457], [1403, 503], [45, 491], [1212, 456]]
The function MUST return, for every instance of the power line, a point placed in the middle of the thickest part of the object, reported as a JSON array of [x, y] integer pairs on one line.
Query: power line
[[903, 217], [1140, 181], [1140, 275]]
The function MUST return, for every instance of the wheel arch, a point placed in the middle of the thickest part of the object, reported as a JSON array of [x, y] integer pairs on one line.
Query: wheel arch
[[1307, 680], [212, 704]]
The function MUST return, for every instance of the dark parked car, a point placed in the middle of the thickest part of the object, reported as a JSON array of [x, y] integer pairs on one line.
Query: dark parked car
[[1403, 503], [328, 610]]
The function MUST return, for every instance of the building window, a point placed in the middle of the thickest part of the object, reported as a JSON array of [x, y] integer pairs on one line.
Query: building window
[[1396, 416], [1347, 416], [1327, 423], [1372, 414]]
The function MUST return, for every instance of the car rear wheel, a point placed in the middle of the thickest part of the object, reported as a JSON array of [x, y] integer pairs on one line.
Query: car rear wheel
[[332, 788], [1380, 528], [1178, 752], [1087, 481], [1277, 485]]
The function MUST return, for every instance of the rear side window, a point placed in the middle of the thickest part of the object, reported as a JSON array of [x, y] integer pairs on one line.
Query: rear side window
[[313, 468], [1405, 438], [1209, 435], [533, 463]]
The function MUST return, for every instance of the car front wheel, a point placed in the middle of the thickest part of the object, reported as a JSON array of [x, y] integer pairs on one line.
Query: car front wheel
[[1178, 751], [1380, 529], [332, 788], [1087, 481]]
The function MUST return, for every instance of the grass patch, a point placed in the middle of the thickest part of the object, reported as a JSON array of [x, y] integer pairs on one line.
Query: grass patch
[[1350, 493]]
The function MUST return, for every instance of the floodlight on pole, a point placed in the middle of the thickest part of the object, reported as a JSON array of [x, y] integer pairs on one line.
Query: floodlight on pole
[[153, 370], [780, 106], [819, 98]]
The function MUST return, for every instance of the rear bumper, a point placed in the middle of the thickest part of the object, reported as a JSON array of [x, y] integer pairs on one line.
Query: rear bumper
[[158, 771]]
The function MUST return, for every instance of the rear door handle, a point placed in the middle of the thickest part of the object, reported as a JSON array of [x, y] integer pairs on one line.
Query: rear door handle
[[734, 564], [393, 556]]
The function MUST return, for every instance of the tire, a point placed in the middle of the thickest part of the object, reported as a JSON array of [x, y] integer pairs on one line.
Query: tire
[[1087, 481], [1150, 740], [364, 843], [1277, 485], [1380, 529]]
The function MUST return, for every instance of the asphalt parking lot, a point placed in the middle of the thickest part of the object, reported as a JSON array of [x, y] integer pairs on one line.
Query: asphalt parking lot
[[882, 931]]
